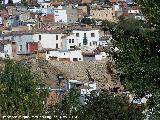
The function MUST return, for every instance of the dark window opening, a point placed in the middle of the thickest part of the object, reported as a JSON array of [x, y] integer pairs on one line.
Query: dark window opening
[[39, 37], [39, 25], [56, 37], [48, 52], [75, 59], [72, 47], [92, 35], [77, 34], [56, 45], [72, 40], [85, 41]]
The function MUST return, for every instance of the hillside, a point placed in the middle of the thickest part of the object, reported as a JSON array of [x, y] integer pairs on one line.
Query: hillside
[[99, 71]]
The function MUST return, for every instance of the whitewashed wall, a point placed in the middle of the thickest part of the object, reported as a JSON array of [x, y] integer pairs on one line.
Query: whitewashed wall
[[48, 40], [65, 54], [78, 41]]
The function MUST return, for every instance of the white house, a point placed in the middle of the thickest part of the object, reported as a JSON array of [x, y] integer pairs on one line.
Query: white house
[[73, 55], [8, 49], [42, 1], [87, 91], [35, 9], [60, 14], [81, 38], [86, 88], [133, 11], [100, 56], [139, 17], [63, 54], [48, 40], [116, 6], [45, 5]]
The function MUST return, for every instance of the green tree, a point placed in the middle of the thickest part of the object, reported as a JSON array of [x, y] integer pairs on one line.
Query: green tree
[[138, 57], [87, 21], [69, 106], [107, 106], [24, 2], [22, 93], [151, 10]]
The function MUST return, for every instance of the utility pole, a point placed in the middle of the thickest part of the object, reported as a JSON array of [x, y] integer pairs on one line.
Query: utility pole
[[60, 114]]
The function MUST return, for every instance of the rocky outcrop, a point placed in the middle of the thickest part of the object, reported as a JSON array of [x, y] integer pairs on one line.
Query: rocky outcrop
[[100, 71]]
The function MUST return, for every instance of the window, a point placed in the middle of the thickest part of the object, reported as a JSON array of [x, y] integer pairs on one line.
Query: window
[[48, 52], [84, 34], [94, 43], [72, 40], [72, 47], [75, 59], [77, 34], [64, 54], [79, 44], [85, 41], [79, 58], [39, 37], [56, 37], [90, 44], [69, 40], [39, 25], [92, 35], [56, 45], [20, 48]]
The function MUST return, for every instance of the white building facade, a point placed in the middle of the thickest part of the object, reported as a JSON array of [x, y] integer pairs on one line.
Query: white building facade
[[48, 40], [60, 14], [81, 38], [133, 11], [63, 54]]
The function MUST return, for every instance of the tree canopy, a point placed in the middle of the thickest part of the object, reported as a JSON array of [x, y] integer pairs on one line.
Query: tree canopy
[[107, 106], [21, 91], [138, 55]]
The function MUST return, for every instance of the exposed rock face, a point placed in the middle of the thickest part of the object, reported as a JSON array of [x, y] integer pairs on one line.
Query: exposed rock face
[[44, 70], [100, 71]]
